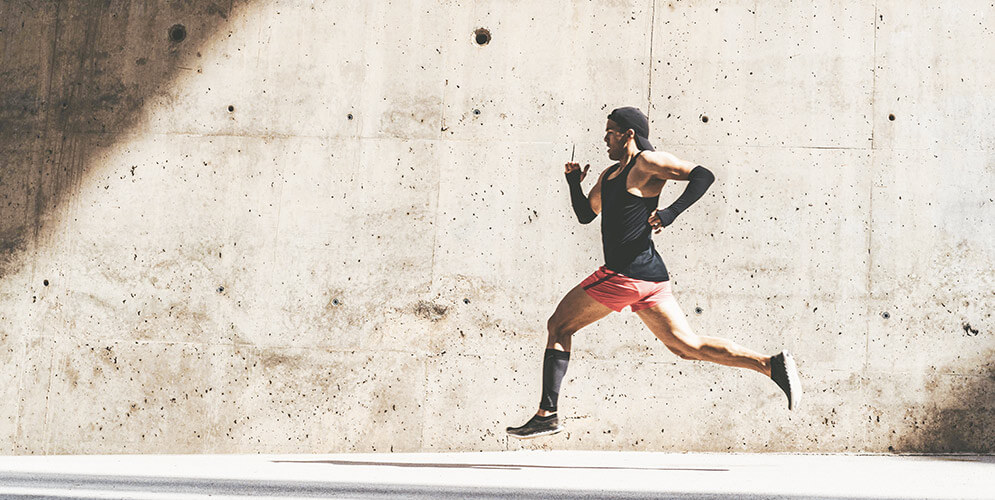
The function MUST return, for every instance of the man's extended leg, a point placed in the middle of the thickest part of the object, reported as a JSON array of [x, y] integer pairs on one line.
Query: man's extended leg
[[667, 321], [575, 311]]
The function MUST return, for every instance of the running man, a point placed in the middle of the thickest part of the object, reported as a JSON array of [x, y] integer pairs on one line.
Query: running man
[[626, 196]]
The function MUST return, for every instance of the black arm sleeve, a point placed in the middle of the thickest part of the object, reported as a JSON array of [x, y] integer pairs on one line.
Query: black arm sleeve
[[698, 181], [582, 206]]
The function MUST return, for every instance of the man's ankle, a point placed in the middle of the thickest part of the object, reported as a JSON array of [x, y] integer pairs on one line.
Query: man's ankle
[[544, 413]]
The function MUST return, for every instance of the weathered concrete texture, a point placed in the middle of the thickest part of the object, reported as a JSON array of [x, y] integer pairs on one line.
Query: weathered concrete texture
[[777, 75], [328, 227]]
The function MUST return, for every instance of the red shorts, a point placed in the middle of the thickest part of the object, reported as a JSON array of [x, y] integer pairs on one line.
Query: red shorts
[[618, 291]]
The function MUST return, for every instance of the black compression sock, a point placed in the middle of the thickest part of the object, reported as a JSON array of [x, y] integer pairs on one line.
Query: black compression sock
[[554, 367]]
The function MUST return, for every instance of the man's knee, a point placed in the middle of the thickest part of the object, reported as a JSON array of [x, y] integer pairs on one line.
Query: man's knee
[[688, 355], [558, 329], [686, 346]]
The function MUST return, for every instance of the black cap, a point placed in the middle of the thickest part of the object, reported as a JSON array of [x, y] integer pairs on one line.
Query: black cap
[[629, 117]]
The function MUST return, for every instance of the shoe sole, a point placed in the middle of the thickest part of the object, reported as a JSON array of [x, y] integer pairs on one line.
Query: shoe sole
[[538, 434], [793, 381]]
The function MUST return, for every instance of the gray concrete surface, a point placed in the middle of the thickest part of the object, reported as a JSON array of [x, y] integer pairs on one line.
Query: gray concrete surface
[[320, 227], [522, 474]]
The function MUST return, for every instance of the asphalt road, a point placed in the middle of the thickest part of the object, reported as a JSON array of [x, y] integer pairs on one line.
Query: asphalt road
[[498, 475]]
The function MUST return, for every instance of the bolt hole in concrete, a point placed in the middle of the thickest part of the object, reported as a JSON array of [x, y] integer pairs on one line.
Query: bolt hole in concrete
[[466, 301], [891, 117], [177, 33], [231, 108], [335, 302], [885, 315], [482, 36], [698, 310], [349, 116], [704, 119], [45, 282], [476, 111], [221, 289]]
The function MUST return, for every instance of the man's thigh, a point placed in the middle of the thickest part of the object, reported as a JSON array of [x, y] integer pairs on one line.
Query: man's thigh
[[667, 321], [576, 310]]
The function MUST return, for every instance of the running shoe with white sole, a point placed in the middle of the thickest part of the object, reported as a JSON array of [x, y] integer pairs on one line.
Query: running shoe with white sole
[[785, 374], [536, 426]]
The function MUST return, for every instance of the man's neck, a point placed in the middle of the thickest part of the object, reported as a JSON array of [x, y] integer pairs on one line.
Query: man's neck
[[629, 154]]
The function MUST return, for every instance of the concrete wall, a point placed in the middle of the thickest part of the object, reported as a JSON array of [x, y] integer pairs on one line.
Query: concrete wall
[[341, 226]]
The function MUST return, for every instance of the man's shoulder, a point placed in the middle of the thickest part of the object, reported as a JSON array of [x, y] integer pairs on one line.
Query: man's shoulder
[[656, 158], [655, 164], [664, 165]]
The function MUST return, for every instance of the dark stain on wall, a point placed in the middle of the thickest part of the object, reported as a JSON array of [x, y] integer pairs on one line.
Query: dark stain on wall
[[430, 311], [957, 417], [12, 243], [69, 83]]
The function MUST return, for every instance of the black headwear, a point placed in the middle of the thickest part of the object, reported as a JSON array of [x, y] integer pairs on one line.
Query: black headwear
[[629, 117]]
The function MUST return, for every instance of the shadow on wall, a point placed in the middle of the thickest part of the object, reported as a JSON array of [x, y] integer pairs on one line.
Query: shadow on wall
[[959, 414], [74, 76]]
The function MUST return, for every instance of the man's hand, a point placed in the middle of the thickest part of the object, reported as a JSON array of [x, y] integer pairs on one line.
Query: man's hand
[[581, 204], [661, 219], [575, 167]]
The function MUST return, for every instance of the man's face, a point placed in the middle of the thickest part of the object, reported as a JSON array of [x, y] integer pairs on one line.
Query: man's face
[[616, 139]]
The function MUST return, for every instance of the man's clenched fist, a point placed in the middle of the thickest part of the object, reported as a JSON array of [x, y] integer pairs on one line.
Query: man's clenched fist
[[573, 172]]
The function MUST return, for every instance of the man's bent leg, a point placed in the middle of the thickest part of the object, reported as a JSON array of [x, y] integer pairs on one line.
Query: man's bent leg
[[576, 310], [667, 321]]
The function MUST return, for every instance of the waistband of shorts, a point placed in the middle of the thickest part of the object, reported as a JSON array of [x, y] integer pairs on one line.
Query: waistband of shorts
[[609, 271]]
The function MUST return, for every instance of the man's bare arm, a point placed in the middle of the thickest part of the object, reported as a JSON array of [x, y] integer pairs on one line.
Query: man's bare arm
[[574, 177], [595, 195], [666, 166]]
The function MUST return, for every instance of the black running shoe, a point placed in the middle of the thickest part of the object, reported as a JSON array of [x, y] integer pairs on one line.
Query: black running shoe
[[785, 374], [537, 426]]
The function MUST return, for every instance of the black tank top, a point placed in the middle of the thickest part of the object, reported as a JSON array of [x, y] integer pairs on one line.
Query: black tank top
[[626, 232]]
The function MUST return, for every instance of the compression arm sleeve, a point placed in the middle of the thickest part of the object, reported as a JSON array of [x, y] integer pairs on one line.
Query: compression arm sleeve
[[582, 206], [698, 181]]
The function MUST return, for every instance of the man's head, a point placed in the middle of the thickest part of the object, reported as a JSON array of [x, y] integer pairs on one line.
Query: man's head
[[625, 125]]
